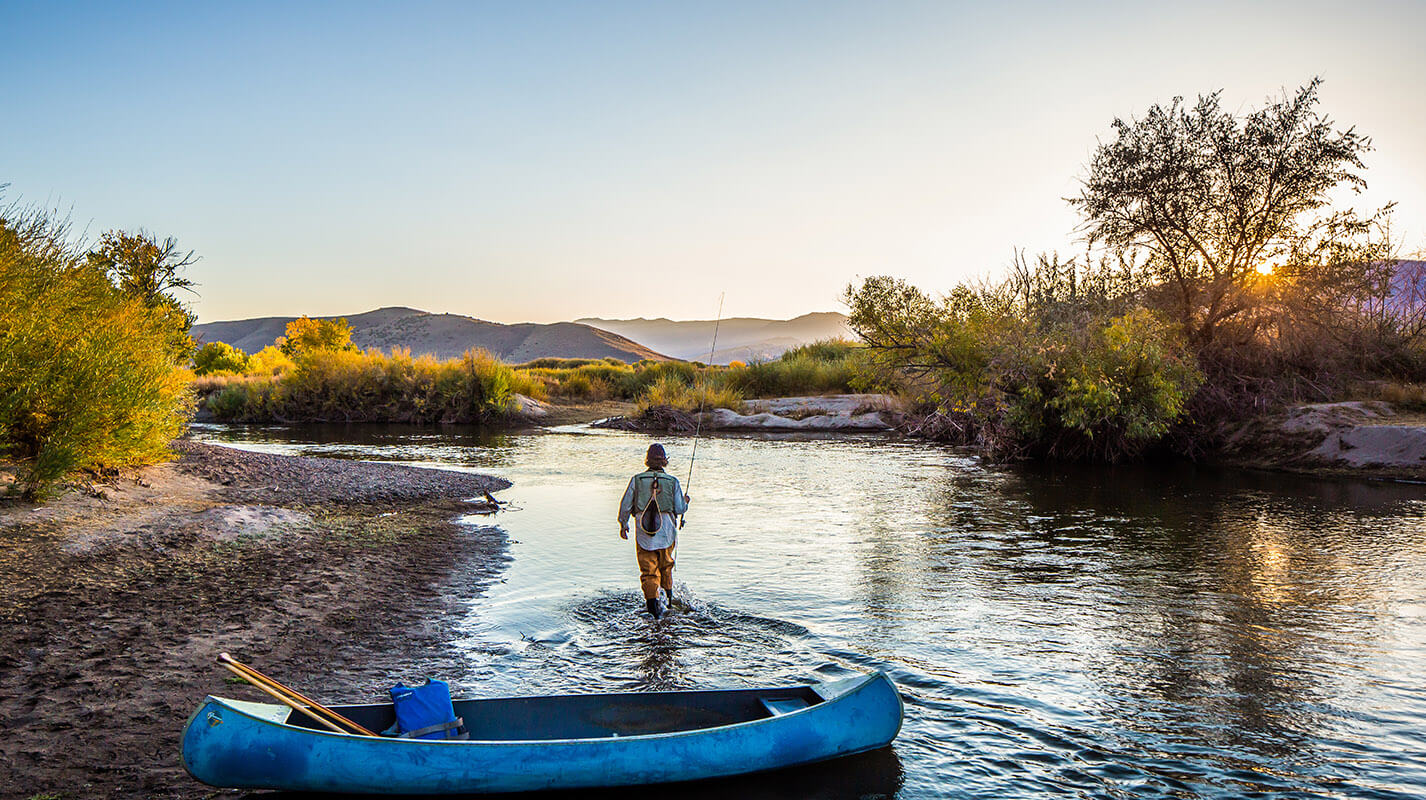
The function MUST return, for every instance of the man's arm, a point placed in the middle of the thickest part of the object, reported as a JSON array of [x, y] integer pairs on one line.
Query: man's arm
[[680, 500], [626, 509]]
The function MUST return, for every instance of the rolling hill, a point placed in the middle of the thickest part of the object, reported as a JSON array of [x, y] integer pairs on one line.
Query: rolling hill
[[444, 336], [739, 338]]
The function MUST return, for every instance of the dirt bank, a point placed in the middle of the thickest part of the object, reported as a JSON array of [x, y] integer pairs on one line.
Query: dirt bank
[[1361, 438], [339, 577]]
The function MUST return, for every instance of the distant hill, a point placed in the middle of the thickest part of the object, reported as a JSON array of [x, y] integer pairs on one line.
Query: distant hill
[[739, 338], [445, 336]]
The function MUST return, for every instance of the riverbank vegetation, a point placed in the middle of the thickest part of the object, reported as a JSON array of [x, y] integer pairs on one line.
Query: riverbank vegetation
[[93, 350], [352, 386], [332, 381], [1218, 282]]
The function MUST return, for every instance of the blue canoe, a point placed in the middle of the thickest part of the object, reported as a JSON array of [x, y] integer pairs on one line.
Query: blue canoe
[[522, 744]]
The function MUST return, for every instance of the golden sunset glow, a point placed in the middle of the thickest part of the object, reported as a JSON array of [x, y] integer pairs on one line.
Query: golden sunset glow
[[1265, 269]]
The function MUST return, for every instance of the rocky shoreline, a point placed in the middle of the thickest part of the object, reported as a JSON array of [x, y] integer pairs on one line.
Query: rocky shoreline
[[1360, 438], [340, 577]]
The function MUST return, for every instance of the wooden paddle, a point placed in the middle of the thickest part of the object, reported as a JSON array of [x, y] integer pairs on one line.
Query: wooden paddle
[[291, 697]]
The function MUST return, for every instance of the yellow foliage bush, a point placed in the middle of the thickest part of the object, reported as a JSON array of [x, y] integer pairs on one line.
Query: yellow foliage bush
[[89, 378]]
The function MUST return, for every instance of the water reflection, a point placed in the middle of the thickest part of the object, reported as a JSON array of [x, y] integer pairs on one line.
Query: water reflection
[[1098, 632]]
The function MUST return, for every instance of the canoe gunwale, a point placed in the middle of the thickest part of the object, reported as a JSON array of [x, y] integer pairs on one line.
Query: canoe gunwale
[[852, 685]]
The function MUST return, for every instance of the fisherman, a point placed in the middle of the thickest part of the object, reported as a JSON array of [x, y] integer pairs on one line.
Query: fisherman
[[654, 549]]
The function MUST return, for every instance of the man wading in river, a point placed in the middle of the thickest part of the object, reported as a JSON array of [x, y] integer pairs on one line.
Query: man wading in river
[[655, 529]]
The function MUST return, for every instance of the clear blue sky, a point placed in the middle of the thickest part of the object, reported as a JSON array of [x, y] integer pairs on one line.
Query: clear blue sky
[[545, 161]]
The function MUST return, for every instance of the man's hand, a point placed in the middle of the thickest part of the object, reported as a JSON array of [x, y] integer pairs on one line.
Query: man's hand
[[685, 497], [624, 531]]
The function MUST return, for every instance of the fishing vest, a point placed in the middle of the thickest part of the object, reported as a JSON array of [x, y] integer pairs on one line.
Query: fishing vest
[[644, 490]]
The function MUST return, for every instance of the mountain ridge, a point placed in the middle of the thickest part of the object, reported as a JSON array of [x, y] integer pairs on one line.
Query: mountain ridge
[[739, 338], [443, 336]]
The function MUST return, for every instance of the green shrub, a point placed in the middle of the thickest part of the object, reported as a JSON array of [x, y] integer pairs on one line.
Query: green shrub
[[567, 363], [1106, 392], [235, 402], [88, 373], [1068, 379], [215, 357]]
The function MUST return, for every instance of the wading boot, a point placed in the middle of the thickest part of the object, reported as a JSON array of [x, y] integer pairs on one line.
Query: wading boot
[[654, 608]]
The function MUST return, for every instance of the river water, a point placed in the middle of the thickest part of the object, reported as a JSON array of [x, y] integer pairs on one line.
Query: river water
[[1082, 632]]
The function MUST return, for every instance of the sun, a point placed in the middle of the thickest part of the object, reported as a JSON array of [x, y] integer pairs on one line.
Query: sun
[[1265, 269]]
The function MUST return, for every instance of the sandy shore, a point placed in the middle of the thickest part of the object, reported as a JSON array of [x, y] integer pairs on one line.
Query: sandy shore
[[335, 576]]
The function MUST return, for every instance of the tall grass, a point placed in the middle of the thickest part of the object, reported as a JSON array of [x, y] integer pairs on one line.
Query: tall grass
[[668, 391], [830, 366]]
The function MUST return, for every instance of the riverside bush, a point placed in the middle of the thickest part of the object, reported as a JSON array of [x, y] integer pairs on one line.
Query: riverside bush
[[1063, 379], [269, 361], [371, 386], [89, 376], [219, 358]]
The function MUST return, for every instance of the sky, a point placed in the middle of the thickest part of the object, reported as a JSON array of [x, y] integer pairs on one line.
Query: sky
[[532, 161]]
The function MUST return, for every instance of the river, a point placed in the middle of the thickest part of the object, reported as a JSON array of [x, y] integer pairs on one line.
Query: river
[[1083, 632]]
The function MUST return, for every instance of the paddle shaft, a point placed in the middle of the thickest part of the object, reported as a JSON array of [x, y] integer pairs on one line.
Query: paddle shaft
[[278, 689], [296, 700], [284, 699]]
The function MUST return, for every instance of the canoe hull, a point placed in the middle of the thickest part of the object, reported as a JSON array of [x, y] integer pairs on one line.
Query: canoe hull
[[239, 745]]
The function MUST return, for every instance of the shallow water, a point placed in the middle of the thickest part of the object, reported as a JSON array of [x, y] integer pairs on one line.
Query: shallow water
[[1079, 632]]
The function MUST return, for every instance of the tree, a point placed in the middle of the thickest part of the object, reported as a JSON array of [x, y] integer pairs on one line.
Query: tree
[[1211, 201], [306, 335], [219, 357], [143, 267]]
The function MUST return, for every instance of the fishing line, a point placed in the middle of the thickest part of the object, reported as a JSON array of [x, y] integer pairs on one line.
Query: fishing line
[[702, 401]]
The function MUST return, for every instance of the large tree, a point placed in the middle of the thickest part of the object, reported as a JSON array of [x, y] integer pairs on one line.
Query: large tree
[[150, 270], [1207, 201]]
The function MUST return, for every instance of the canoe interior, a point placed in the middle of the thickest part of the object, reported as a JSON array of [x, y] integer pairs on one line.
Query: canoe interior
[[594, 716]]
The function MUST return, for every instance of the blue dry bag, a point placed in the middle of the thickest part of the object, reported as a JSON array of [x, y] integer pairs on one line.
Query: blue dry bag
[[425, 712]]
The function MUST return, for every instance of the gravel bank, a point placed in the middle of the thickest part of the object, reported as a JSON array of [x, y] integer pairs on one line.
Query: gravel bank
[[267, 478], [338, 577]]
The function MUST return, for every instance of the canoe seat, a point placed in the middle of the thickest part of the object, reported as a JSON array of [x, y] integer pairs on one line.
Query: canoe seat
[[785, 705]]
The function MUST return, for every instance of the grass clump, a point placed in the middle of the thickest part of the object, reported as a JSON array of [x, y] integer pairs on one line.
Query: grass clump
[[670, 392]]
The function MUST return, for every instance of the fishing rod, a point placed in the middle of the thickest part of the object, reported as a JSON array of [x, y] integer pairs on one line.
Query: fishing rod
[[702, 401]]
